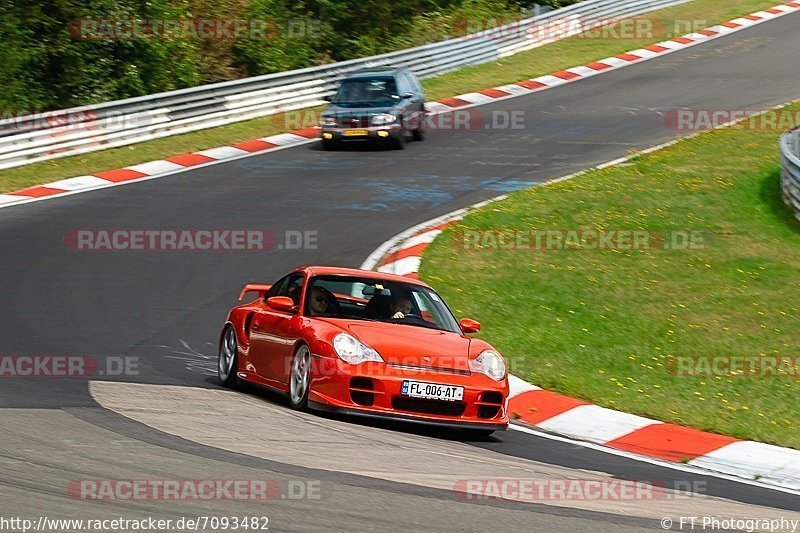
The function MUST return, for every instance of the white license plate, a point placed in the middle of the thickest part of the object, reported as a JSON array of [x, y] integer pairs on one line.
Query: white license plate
[[432, 391]]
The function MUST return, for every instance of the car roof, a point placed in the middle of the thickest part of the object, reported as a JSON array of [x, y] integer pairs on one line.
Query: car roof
[[376, 71], [318, 270]]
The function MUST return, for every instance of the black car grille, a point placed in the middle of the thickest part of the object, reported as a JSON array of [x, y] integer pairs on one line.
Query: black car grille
[[429, 407]]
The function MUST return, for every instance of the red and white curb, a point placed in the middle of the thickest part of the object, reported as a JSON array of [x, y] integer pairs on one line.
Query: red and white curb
[[562, 415], [180, 163]]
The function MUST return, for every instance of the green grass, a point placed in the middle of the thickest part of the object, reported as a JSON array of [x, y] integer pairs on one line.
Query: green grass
[[602, 325], [540, 61]]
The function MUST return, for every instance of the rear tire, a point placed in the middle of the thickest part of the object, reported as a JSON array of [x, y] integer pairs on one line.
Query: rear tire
[[228, 362], [300, 378]]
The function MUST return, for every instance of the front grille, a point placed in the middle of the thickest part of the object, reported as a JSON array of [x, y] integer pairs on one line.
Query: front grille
[[362, 397], [428, 407], [406, 366], [489, 404], [355, 121]]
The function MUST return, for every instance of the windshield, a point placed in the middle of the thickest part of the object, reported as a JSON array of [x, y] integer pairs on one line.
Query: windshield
[[367, 92], [378, 300]]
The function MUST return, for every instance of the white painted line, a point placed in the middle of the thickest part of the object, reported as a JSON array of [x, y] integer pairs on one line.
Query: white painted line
[[517, 386], [595, 423], [11, 198], [550, 80], [755, 460], [476, 98], [649, 460], [402, 267], [284, 139], [223, 152], [157, 167], [78, 183], [422, 238], [514, 89]]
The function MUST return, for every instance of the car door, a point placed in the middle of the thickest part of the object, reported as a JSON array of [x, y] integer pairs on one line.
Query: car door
[[273, 333], [416, 104]]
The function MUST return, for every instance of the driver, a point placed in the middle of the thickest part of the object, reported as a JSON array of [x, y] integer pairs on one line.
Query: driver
[[401, 307], [322, 301]]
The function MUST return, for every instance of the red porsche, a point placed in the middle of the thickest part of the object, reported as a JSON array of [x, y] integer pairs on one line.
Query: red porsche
[[365, 343]]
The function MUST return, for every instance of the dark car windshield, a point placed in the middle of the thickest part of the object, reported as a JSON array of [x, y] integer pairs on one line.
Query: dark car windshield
[[367, 92], [378, 300]]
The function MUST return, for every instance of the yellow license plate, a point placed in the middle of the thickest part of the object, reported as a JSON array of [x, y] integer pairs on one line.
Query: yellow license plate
[[355, 133]]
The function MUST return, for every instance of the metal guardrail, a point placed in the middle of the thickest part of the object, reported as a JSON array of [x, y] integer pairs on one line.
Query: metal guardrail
[[790, 169], [96, 127]]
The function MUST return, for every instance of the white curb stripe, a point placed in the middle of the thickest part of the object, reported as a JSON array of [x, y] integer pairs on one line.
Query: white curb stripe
[[595, 424]]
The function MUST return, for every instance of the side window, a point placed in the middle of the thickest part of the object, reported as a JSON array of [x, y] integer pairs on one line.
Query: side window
[[291, 286], [403, 86]]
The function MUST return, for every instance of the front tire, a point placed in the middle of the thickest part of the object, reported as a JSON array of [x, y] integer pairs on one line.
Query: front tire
[[300, 379], [329, 144], [228, 362]]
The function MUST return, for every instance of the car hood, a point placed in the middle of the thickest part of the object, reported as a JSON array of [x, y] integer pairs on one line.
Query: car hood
[[410, 345], [334, 110]]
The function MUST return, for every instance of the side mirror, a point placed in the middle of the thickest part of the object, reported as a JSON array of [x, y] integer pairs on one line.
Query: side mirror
[[327, 98], [408, 95], [281, 303], [469, 326]]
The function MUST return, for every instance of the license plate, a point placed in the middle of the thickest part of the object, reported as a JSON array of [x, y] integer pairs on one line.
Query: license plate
[[355, 133], [432, 391]]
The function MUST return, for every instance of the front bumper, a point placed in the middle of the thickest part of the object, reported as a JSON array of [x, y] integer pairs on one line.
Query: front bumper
[[373, 133], [374, 389]]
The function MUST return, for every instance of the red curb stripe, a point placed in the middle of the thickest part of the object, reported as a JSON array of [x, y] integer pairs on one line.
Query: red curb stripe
[[751, 17], [773, 11], [598, 65], [732, 25], [682, 40], [566, 75], [254, 146], [120, 174], [530, 84], [656, 48], [628, 57], [537, 406], [37, 192], [308, 133], [670, 442], [707, 33], [494, 93], [454, 102], [413, 251], [412, 275], [189, 160], [793, 4]]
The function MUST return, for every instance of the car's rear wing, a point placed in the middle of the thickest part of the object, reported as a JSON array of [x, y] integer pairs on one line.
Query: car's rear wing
[[254, 287]]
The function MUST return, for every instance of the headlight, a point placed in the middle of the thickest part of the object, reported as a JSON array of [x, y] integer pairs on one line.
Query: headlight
[[351, 350], [383, 118], [490, 363], [328, 121]]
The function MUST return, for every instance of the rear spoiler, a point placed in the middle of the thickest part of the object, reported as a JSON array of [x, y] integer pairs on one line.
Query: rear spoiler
[[253, 287]]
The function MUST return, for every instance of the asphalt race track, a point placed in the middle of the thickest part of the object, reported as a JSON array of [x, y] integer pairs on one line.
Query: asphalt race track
[[172, 420]]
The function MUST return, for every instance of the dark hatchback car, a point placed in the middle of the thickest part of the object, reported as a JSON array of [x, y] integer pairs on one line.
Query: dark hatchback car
[[379, 104]]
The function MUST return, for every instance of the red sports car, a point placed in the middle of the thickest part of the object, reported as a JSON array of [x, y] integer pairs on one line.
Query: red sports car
[[365, 343]]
